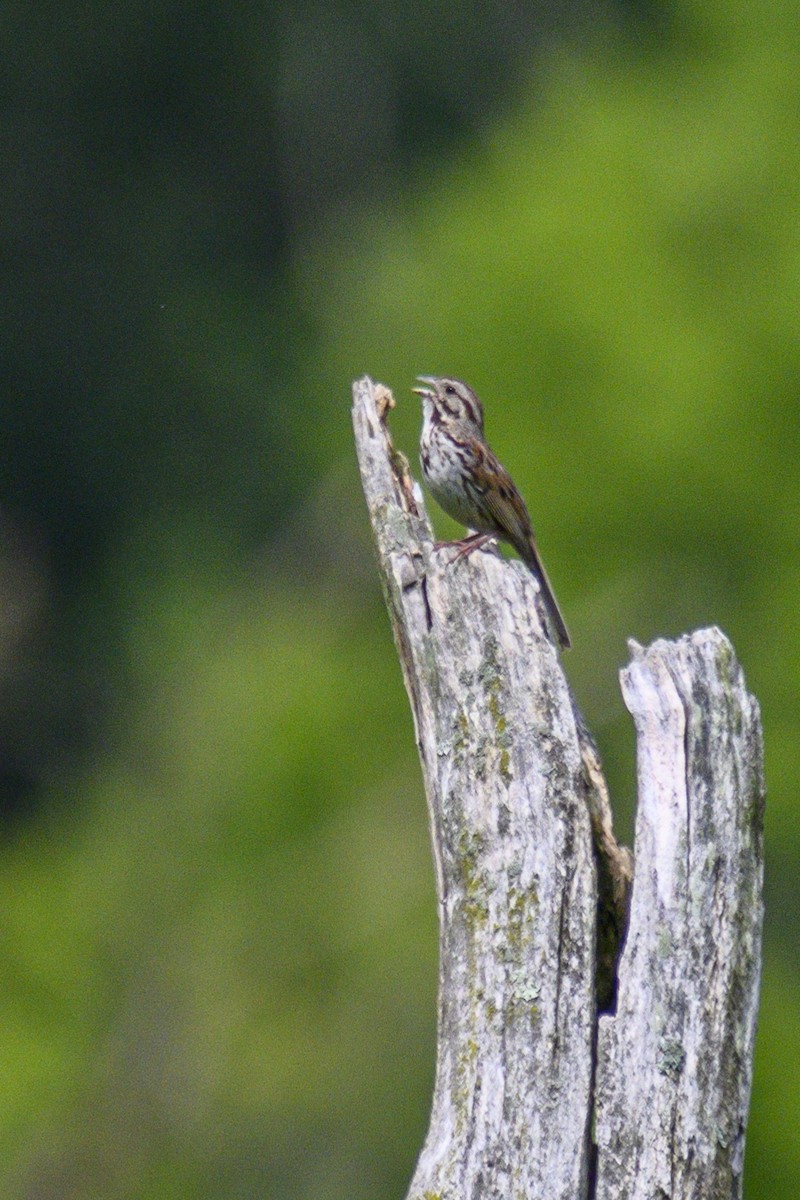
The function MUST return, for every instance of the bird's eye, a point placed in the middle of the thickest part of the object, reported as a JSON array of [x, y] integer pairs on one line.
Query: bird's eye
[[450, 390]]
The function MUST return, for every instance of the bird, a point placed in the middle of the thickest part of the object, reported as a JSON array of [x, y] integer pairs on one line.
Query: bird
[[469, 482]]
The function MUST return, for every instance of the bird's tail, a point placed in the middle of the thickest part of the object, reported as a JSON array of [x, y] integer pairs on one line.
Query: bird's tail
[[559, 626]]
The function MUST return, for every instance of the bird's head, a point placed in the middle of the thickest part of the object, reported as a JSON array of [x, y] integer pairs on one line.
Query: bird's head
[[451, 402]]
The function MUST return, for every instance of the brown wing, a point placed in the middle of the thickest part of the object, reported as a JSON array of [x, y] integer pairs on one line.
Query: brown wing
[[508, 513], [499, 499]]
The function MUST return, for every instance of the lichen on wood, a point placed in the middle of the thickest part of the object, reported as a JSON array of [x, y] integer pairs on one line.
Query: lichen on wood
[[533, 888], [675, 1061]]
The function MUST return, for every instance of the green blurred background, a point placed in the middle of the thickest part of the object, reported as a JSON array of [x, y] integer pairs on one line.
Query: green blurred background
[[218, 925]]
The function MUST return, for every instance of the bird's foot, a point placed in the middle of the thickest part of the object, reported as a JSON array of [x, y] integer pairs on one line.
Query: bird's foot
[[466, 546]]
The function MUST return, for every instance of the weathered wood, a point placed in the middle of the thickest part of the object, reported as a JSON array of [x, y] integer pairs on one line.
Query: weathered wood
[[675, 1062], [533, 888], [513, 852]]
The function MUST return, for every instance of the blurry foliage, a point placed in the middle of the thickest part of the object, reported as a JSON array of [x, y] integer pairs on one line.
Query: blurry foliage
[[219, 942], [203, 968], [165, 162]]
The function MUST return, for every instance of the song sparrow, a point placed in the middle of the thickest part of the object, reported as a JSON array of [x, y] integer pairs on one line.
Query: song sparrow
[[471, 485]]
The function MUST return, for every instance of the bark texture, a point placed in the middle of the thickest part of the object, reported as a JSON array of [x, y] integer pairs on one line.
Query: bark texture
[[675, 1062], [532, 887]]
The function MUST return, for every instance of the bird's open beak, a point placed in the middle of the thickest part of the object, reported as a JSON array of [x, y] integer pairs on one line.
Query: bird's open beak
[[425, 379]]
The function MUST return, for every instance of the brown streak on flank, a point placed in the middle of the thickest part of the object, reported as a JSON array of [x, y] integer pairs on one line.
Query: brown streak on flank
[[481, 453]]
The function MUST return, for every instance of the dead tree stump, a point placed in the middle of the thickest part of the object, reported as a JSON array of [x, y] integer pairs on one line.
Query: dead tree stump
[[556, 1080]]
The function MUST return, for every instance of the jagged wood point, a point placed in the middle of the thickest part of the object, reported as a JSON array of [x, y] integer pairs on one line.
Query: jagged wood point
[[555, 1078]]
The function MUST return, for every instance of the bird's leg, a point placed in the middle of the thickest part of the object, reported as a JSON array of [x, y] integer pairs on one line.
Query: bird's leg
[[474, 541]]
